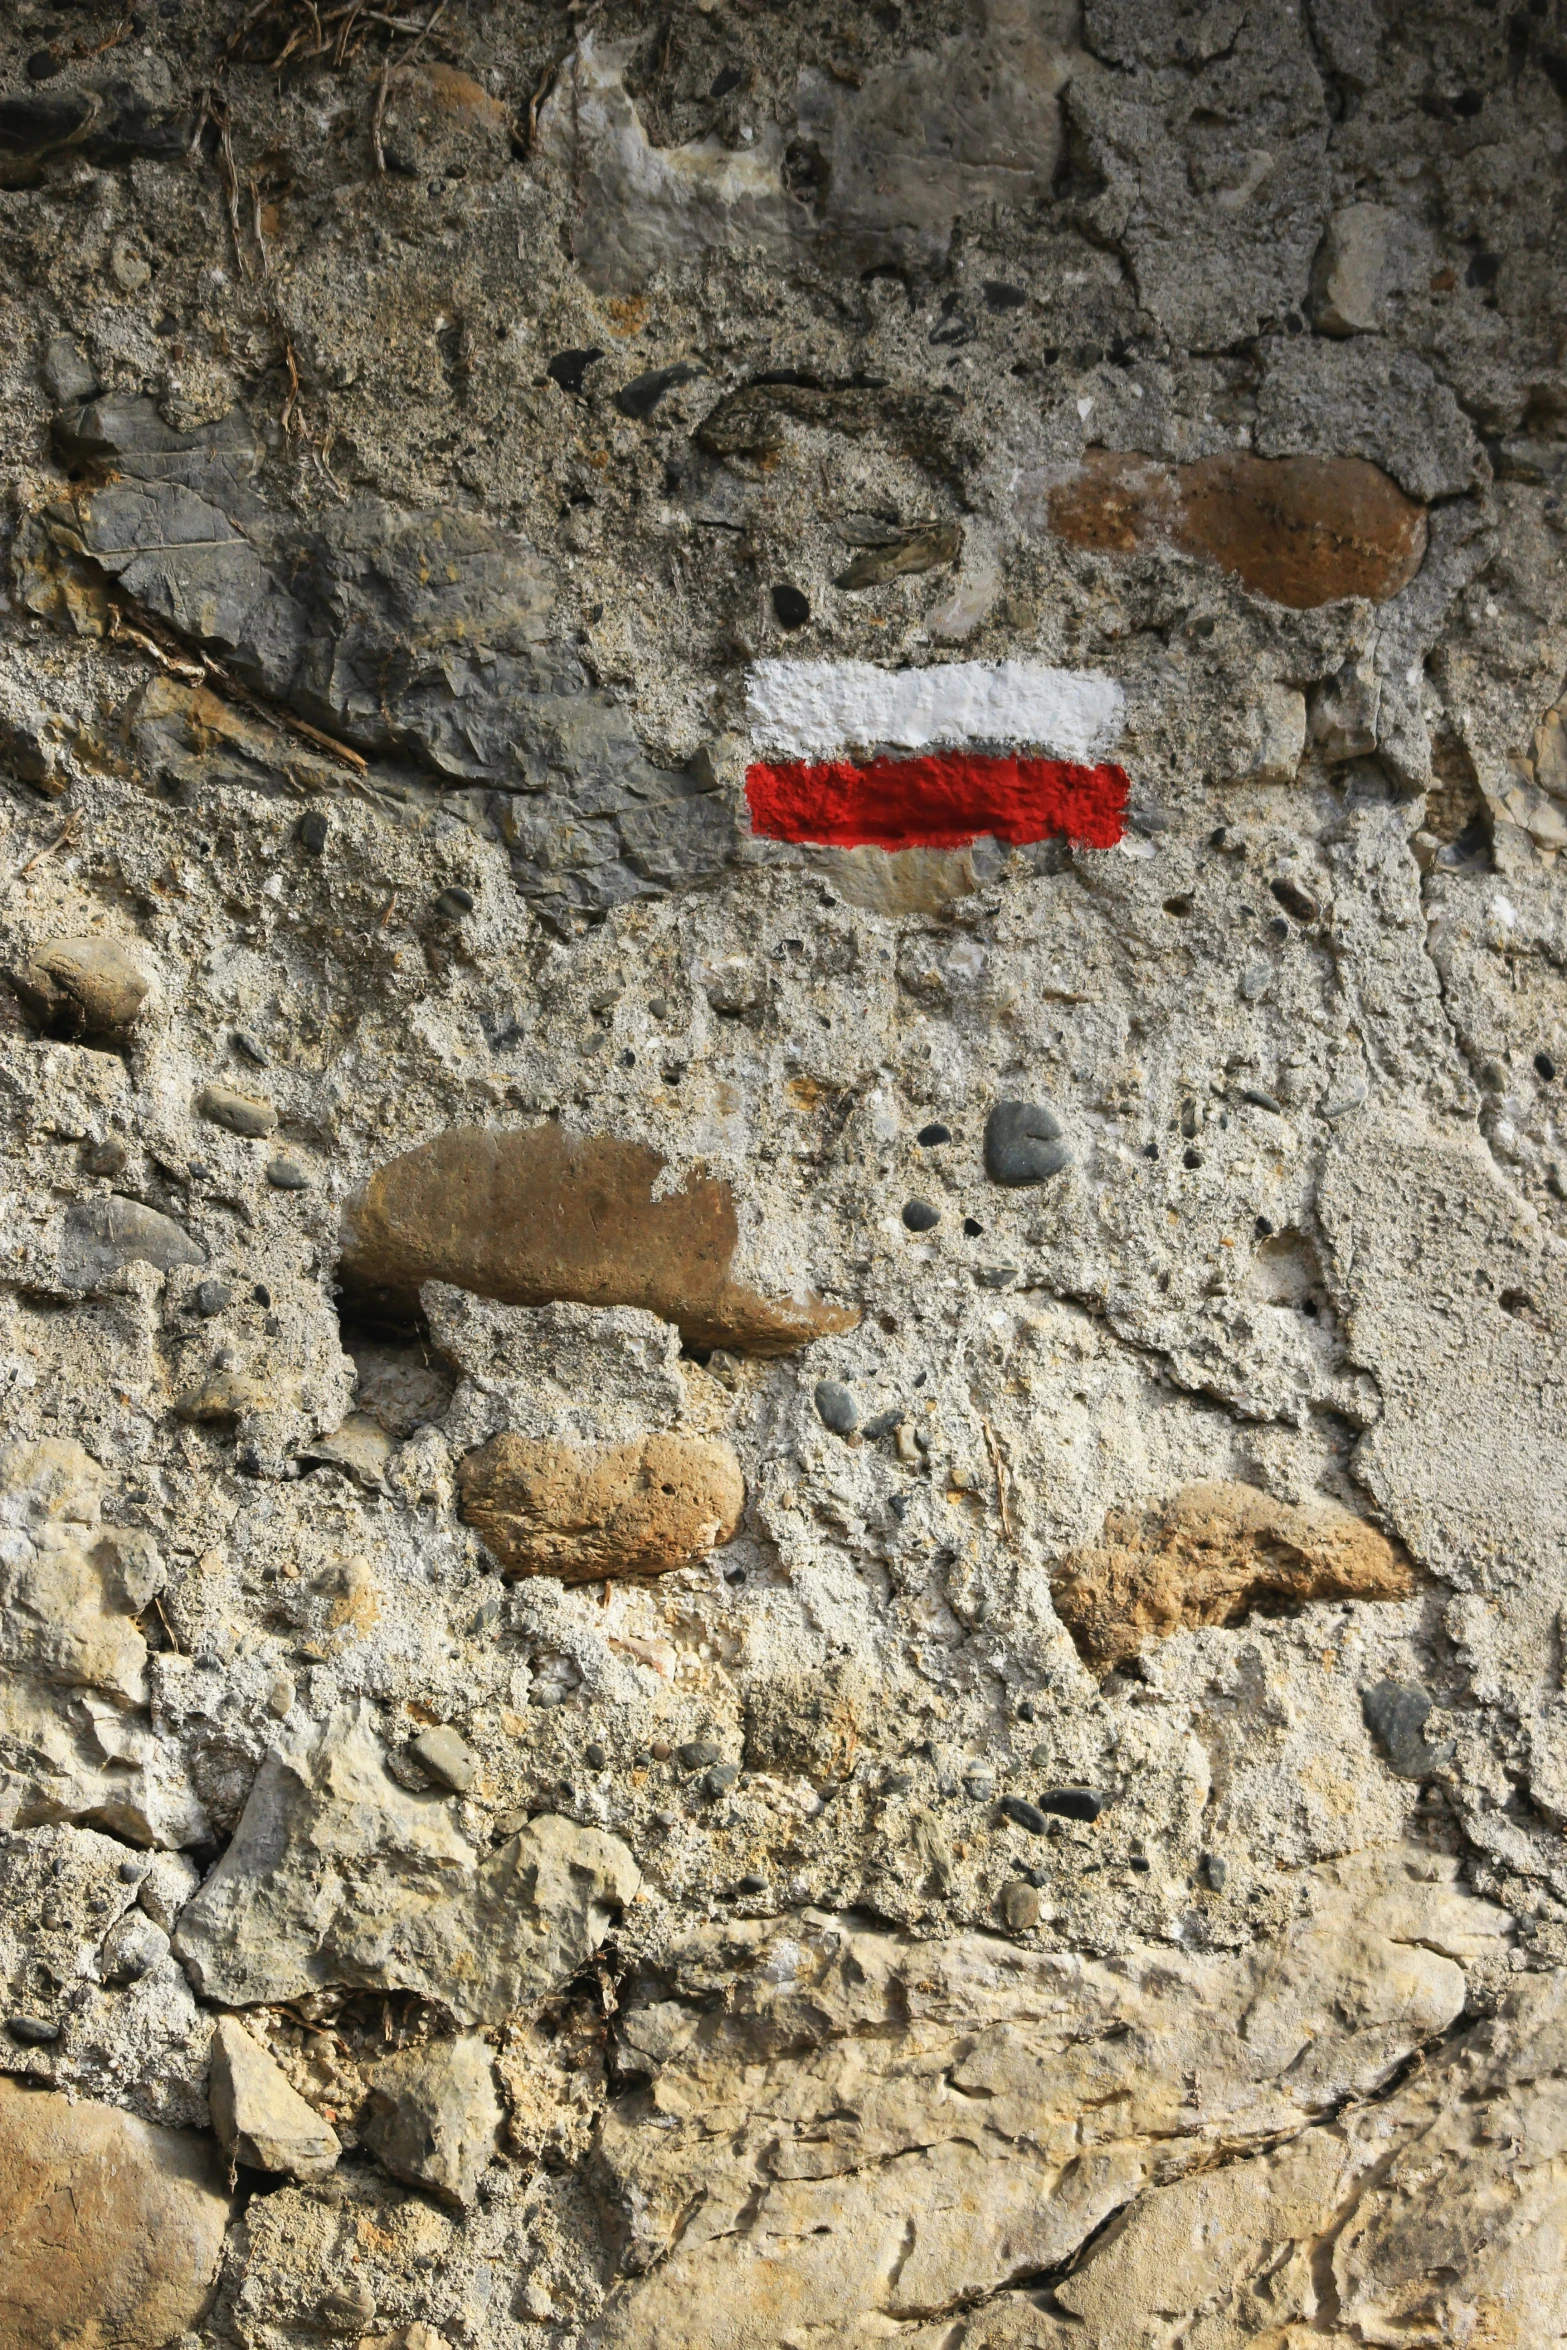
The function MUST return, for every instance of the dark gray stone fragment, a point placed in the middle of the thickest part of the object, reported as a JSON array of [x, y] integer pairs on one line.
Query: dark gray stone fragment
[[638, 398], [1074, 1803], [1395, 1714], [32, 2031], [1023, 1814], [719, 1779], [920, 1216], [836, 1407], [209, 1298], [884, 1423], [1024, 1144], [697, 1753], [103, 1235], [287, 1175]]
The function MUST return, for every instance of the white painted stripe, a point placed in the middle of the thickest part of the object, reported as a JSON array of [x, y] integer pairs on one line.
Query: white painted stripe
[[817, 709]]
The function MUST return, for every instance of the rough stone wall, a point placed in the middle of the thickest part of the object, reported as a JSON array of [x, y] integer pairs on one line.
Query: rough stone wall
[[665, 1678]]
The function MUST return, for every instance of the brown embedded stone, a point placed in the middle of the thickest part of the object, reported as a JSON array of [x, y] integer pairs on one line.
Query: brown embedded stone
[[113, 2227], [1302, 531], [77, 984], [541, 1216], [583, 1512], [1215, 1554]]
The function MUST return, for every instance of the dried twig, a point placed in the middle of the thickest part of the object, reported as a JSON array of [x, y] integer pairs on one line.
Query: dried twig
[[378, 116], [546, 83], [194, 667], [61, 840], [1001, 1478]]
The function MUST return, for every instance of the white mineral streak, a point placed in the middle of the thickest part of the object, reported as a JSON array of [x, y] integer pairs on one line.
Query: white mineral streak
[[812, 709]]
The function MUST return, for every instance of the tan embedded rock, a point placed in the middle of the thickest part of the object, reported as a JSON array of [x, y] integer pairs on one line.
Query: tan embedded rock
[[434, 2118], [112, 2228], [261, 2119], [1216, 1554], [1300, 531], [583, 1512], [1371, 257], [241, 1113], [338, 1876], [538, 1215], [92, 986]]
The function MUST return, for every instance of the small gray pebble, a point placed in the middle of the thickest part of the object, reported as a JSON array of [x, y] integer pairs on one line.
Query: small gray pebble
[[1024, 1144], [448, 1759], [1024, 1814], [920, 1216], [313, 831], [929, 1136], [108, 1157], [836, 1407], [1215, 1872], [595, 1756], [453, 903], [246, 1044], [883, 1424], [719, 1779], [697, 1753], [752, 1884], [1256, 980], [1020, 1906], [287, 1175], [209, 1298]]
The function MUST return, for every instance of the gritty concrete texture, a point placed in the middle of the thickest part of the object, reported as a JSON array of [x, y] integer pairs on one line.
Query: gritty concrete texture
[[1068, 1842]]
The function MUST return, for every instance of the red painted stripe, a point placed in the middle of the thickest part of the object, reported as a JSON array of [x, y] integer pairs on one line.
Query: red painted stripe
[[942, 801]]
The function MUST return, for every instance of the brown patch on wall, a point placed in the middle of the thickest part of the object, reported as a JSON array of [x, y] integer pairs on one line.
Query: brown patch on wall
[[540, 1215], [1214, 1555], [1301, 531], [588, 1511]]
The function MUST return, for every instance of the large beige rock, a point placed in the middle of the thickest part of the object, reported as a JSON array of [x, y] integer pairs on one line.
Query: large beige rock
[[261, 2119], [539, 1215], [1215, 1554], [588, 1511], [111, 2229], [434, 2118], [872, 2128], [338, 1876], [92, 986]]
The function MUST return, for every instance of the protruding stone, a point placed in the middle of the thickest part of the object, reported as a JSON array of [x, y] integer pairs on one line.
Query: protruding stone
[[1212, 1555], [1300, 531], [539, 1215], [447, 1758], [1395, 1714], [1024, 1144], [434, 2117], [241, 1113], [113, 2228], [261, 2120], [1370, 257], [583, 1512], [84, 986], [104, 1235]]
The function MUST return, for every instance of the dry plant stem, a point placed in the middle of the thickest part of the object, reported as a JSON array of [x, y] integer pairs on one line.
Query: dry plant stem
[[1001, 1479]]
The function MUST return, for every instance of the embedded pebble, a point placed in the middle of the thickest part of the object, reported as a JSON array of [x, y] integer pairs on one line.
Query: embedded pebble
[[240, 1113], [929, 1136], [1256, 980], [453, 903], [1024, 1814], [1024, 1144], [719, 1779], [1074, 1803], [209, 1298], [696, 1753], [836, 1408], [287, 1175], [1020, 1906], [447, 1758], [595, 1756], [920, 1216], [1395, 1714], [32, 2031], [313, 831]]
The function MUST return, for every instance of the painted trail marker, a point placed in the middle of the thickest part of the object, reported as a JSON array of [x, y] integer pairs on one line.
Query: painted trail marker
[[854, 756]]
